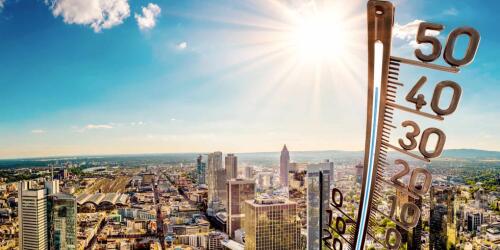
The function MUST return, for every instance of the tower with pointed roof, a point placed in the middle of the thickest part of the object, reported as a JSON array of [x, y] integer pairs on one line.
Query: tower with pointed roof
[[284, 166]]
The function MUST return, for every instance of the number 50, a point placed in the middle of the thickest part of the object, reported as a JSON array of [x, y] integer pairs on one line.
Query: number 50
[[450, 44]]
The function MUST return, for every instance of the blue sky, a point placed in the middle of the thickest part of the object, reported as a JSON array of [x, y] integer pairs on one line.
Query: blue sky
[[117, 76]]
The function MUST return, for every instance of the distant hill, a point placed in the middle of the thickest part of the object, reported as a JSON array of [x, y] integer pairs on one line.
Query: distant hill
[[470, 153]]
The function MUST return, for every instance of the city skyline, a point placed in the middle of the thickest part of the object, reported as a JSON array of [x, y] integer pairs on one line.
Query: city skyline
[[158, 90]]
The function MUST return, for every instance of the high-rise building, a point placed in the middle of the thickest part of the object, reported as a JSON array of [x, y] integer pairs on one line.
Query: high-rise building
[[216, 182], [443, 228], [32, 214], [271, 224], [412, 237], [201, 170], [231, 162], [318, 200], [284, 166], [238, 191], [61, 212]]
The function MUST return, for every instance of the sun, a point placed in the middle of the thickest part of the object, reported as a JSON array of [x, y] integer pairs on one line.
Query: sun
[[319, 36]]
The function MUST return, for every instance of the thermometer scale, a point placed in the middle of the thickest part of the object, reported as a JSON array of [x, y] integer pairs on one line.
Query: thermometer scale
[[346, 232]]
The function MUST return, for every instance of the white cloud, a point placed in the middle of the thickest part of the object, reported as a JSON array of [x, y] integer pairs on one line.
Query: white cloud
[[408, 32], [2, 4], [451, 12], [182, 45], [98, 126], [38, 131], [98, 14], [92, 127], [147, 20]]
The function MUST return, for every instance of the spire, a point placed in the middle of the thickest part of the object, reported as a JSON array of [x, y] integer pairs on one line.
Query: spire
[[284, 148]]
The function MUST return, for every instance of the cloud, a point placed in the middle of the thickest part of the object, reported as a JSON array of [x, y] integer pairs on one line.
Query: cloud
[[450, 12], [92, 127], [98, 14], [147, 20], [408, 32], [38, 131], [2, 4], [99, 126], [182, 46]]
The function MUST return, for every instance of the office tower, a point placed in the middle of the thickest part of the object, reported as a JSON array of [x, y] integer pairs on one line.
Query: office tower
[[443, 231], [271, 224], [238, 192], [61, 212], [412, 237], [201, 170], [231, 162], [474, 220], [248, 172], [359, 173], [318, 198], [216, 181], [32, 214], [284, 166]]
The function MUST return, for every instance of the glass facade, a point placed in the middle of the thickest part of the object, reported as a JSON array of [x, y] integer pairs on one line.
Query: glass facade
[[62, 221], [271, 226], [318, 198]]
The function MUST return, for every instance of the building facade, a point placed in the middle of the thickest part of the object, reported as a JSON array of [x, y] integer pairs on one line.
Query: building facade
[[284, 166], [32, 214], [238, 192], [317, 200], [271, 225], [216, 182]]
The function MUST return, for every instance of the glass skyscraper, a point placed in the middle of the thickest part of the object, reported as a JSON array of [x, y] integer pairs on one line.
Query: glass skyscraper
[[216, 182], [318, 198], [61, 217], [238, 191]]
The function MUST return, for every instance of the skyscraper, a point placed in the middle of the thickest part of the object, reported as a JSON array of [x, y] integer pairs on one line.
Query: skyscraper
[[238, 192], [231, 162], [216, 181], [62, 221], [284, 165], [32, 213], [413, 237], [443, 231], [271, 224], [201, 170], [318, 198]]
